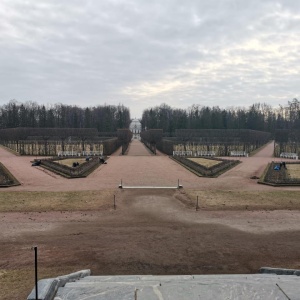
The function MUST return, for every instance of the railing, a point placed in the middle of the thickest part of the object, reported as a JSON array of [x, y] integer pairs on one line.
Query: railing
[[182, 153]]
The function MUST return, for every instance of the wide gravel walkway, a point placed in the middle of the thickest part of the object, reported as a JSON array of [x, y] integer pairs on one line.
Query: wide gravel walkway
[[139, 170]]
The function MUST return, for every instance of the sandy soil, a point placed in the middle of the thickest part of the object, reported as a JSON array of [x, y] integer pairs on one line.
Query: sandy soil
[[151, 231]]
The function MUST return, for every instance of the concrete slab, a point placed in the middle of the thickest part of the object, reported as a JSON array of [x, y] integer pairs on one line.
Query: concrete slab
[[46, 289], [257, 286]]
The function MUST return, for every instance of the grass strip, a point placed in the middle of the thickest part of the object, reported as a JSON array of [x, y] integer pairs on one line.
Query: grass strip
[[55, 201], [241, 200]]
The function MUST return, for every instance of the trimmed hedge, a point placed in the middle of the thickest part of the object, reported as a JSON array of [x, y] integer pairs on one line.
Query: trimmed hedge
[[83, 170], [7, 179], [213, 171]]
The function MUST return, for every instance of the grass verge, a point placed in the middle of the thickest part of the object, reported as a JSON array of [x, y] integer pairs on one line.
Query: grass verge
[[17, 284], [241, 200], [55, 201]]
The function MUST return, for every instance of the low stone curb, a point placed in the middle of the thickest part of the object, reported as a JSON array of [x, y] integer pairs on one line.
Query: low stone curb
[[47, 288], [279, 271]]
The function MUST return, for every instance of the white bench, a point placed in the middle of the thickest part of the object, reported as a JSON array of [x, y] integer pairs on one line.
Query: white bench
[[289, 155], [91, 153], [239, 153], [76, 153], [205, 153], [182, 153], [68, 153]]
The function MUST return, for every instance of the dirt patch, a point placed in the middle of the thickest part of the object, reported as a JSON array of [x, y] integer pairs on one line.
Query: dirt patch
[[56, 201], [69, 161], [293, 170], [249, 200], [152, 232]]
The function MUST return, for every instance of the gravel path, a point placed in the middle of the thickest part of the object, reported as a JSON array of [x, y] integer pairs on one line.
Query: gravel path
[[136, 148], [139, 168]]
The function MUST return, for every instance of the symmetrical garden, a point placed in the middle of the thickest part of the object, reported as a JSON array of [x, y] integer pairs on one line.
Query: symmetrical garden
[[196, 148]]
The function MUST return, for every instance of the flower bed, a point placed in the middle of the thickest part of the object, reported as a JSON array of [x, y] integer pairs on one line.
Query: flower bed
[[6, 178], [202, 170], [278, 175], [81, 170]]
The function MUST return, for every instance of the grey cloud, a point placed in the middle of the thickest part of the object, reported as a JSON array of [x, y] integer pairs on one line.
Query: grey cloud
[[147, 52]]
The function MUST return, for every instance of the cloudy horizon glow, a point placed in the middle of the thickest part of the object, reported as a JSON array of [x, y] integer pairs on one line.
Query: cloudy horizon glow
[[144, 53]]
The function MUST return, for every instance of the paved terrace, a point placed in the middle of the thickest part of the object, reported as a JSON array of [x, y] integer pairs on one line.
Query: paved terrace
[[189, 287]]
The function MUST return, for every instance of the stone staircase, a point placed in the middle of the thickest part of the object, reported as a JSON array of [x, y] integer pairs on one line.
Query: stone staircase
[[266, 285]]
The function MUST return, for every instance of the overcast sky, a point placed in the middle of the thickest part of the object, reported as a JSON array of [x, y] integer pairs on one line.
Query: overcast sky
[[144, 53]]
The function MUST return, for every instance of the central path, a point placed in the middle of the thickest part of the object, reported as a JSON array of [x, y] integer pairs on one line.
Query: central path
[[137, 148]]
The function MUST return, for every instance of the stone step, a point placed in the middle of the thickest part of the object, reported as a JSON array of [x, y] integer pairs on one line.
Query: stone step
[[164, 278], [236, 282], [129, 278], [80, 285], [206, 289]]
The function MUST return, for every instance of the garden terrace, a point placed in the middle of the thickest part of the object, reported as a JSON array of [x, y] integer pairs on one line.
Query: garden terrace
[[211, 167]]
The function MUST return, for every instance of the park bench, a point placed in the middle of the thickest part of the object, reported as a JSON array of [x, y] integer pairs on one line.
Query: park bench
[[91, 153], [238, 153], [182, 153], [289, 155], [68, 153], [206, 153]]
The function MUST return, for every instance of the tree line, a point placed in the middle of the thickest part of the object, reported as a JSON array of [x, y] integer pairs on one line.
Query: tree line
[[105, 118], [258, 116]]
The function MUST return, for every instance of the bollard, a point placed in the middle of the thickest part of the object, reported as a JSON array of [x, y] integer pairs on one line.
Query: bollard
[[35, 272], [121, 185]]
